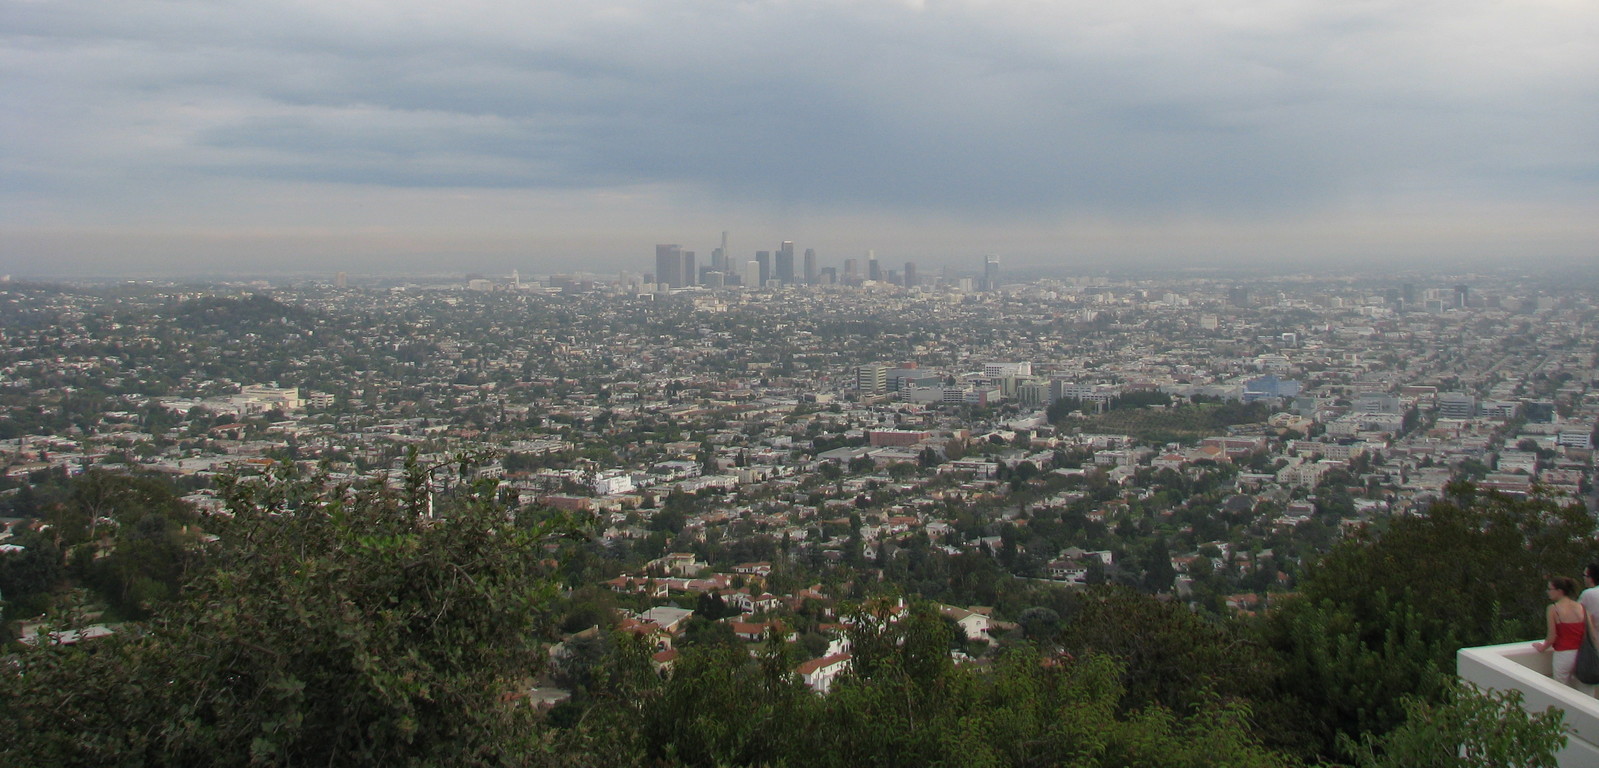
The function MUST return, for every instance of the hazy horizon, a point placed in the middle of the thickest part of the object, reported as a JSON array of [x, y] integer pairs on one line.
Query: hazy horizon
[[166, 139]]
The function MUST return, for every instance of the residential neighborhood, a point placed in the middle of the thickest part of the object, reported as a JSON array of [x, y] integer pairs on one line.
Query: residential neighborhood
[[770, 459]]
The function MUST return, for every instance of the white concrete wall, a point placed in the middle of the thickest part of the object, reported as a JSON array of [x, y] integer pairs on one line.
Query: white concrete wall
[[1516, 666]]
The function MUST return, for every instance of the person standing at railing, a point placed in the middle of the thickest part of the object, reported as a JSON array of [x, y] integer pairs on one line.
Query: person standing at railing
[[1567, 621], [1590, 602]]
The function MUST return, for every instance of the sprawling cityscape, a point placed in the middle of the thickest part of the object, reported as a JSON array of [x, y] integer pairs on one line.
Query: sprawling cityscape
[[748, 452], [797, 383]]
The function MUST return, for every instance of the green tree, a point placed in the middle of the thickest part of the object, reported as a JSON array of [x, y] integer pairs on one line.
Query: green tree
[[1476, 565], [1159, 575], [1341, 679], [1383, 613], [28, 577], [902, 470], [699, 631], [1170, 656], [712, 607], [1059, 409], [98, 496], [720, 707], [335, 625], [1039, 625], [1471, 728]]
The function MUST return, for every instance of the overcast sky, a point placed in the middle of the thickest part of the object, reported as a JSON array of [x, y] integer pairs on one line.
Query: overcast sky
[[139, 136]]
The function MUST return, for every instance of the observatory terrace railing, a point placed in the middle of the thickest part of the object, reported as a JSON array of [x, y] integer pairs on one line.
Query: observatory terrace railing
[[1516, 666]]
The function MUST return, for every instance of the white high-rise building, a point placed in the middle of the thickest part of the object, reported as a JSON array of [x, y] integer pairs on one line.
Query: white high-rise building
[[1001, 370], [871, 378]]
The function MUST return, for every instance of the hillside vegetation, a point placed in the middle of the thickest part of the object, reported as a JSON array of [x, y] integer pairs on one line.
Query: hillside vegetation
[[350, 626]]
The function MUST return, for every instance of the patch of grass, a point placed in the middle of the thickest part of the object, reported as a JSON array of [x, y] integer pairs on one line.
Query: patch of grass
[[1186, 424]]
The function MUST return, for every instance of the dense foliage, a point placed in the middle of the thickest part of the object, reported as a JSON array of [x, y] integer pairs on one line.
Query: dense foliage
[[341, 626], [1383, 614], [371, 625], [906, 704]]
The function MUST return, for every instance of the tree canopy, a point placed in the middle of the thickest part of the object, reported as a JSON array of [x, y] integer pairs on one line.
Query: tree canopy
[[335, 625], [378, 625]]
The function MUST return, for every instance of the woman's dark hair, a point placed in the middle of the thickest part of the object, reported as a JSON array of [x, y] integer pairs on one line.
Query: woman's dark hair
[[1592, 572], [1565, 584]]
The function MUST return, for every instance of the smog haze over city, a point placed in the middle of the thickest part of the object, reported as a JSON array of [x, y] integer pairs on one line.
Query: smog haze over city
[[168, 138], [825, 383]]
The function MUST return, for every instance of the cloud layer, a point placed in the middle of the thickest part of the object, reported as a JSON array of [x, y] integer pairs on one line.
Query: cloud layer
[[239, 115]]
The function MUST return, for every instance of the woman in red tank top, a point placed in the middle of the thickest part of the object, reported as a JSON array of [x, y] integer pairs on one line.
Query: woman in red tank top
[[1567, 621]]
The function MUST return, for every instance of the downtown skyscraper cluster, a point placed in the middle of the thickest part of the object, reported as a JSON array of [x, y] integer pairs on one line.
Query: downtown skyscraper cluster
[[676, 268]]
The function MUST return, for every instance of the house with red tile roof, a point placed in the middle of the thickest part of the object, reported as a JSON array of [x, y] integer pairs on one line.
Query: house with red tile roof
[[819, 674]]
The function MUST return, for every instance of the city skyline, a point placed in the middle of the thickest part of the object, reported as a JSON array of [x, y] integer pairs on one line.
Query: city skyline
[[265, 138], [675, 267]]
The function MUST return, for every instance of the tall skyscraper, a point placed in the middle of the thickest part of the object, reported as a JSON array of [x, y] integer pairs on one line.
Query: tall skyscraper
[[691, 271], [810, 266], [764, 258], [669, 265], [752, 273], [991, 273], [785, 263], [910, 274], [852, 270], [874, 271]]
